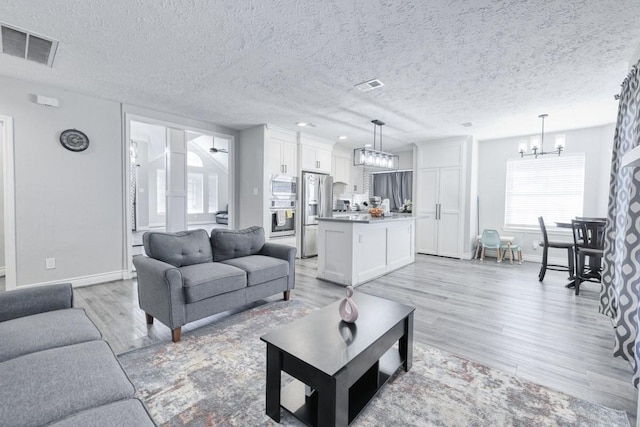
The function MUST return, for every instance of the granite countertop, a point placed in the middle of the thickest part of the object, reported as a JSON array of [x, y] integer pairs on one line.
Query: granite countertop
[[367, 219]]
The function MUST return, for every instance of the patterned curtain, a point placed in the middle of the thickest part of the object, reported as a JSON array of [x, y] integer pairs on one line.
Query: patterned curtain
[[621, 267]]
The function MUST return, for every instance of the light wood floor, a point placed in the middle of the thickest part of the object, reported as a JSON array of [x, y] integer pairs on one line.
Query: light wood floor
[[495, 314]]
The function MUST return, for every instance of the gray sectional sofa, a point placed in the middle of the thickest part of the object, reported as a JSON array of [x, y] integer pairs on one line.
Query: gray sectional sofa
[[55, 369], [188, 275]]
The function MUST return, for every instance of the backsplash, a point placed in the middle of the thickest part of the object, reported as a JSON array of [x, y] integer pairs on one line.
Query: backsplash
[[340, 191]]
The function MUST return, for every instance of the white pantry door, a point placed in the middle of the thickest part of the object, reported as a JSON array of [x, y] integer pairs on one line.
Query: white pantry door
[[438, 199], [449, 211], [427, 203]]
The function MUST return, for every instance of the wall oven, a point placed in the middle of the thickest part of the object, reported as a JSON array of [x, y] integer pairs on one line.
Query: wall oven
[[284, 187], [283, 218]]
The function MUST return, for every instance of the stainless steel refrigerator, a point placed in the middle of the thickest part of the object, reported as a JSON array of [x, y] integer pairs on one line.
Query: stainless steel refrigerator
[[317, 200]]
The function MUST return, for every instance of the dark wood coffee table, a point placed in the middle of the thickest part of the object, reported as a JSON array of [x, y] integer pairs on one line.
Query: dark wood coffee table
[[338, 367]]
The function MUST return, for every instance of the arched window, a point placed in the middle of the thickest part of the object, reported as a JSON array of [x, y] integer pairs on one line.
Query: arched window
[[194, 160]]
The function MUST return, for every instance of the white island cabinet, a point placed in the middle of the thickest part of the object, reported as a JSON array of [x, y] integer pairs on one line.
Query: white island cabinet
[[353, 249]]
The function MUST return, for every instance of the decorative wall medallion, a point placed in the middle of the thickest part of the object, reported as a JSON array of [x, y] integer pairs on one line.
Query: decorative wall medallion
[[74, 140]]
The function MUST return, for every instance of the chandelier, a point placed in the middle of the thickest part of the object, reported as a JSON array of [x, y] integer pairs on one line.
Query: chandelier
[[367, 156], [536, 143]]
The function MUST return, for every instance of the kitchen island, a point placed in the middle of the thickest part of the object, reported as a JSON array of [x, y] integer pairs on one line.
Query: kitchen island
[[353, 249]]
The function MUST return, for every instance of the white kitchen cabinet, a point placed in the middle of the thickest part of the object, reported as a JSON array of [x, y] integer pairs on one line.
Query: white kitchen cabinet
[[263, 151], [341, 170], [281, 153], [440, 201], [359, 248], [315, 159]]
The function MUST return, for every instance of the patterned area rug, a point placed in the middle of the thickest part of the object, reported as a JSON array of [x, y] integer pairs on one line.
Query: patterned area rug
[[216, 377]]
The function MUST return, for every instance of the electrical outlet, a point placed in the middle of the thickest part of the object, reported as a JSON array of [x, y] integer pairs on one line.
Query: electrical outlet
[[535, 245], [50, 263], [255, 191]]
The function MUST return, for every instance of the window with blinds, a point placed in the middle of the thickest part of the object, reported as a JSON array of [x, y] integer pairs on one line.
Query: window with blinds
[[551, 187]]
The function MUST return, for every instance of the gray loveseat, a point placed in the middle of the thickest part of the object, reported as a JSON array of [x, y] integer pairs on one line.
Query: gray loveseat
[[187, 276], [55, 369]]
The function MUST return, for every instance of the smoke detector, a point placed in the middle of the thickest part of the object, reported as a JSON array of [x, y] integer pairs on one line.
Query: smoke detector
[[369, 85], [24, 44]]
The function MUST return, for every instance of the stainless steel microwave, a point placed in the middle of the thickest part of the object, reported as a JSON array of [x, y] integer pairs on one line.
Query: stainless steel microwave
[[284, 187]]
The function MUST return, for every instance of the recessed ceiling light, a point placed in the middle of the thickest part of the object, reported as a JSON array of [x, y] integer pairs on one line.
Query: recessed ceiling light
[[302, 124], [467, 124], [367, 145], [342, 137]]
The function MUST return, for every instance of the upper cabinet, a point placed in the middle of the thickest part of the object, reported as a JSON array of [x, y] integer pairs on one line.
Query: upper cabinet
[[315, 154], [281, 152], [341, 168], [315, 159]]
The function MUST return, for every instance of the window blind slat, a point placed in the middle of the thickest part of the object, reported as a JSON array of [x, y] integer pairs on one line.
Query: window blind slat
[[551, 187]]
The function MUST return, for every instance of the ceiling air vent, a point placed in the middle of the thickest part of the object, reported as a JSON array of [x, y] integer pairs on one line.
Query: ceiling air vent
[[18, 42], [370, 85]]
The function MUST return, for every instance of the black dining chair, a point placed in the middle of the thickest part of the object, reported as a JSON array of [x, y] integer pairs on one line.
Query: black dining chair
[[588, 237], [546, 244]]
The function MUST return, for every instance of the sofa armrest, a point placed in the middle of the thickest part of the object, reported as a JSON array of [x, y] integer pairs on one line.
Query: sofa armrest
[[39, 299], [285, 252], [160, 292]]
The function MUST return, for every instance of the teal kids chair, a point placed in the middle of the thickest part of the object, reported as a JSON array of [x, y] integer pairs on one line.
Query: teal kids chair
[[515, 247], [490, 240]]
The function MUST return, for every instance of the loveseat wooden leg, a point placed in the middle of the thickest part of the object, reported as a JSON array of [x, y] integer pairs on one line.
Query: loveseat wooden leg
[[149, 319], [175, 334], [287, 295]]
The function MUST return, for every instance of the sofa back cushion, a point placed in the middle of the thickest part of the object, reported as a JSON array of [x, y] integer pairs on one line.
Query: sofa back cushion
[[227, 244], [179, 249]]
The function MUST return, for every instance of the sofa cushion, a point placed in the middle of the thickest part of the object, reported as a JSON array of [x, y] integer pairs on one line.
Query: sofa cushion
[[42, 331], [34, 300], [227, 244], [201, 281], [260, 268], [123, 413], [49, 385], [178, 249]]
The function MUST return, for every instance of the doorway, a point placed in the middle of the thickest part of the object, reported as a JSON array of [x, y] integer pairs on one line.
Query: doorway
[[7, 213], [178, 178], [147, 177]]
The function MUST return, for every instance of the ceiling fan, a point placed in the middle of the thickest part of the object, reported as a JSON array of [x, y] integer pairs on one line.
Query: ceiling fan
[[218, 150]]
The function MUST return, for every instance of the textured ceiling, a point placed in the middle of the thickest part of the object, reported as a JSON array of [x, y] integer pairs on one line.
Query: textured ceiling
[[497, 64]]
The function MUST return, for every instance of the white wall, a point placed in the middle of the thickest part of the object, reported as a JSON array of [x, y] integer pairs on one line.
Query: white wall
[[69, 205], [405, 159], [595, 142], [2, 258], [635, 57], [250, 176]]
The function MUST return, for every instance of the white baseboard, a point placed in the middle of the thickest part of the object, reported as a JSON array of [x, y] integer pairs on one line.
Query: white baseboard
[[77, 282], [531, 258], [468, 255]]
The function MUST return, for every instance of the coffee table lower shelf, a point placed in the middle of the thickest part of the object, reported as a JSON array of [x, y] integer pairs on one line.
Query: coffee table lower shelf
[[305, 408]]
